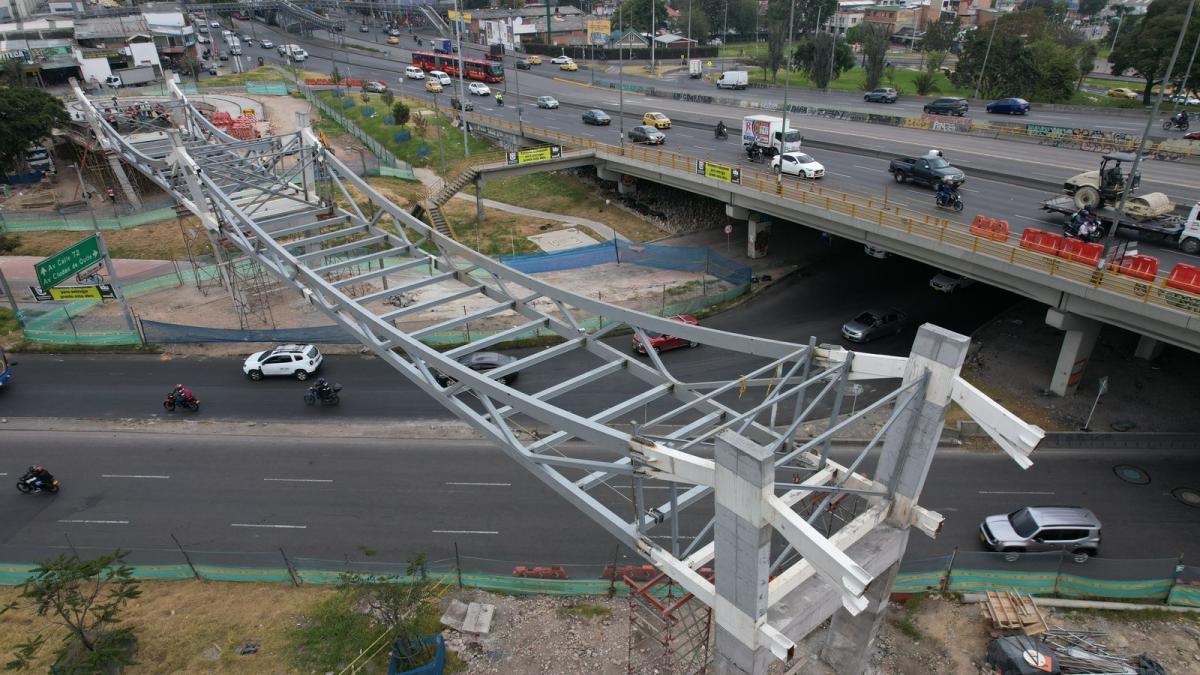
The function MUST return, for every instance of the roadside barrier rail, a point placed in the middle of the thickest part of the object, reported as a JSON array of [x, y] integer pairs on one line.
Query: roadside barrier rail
[[879, 213]]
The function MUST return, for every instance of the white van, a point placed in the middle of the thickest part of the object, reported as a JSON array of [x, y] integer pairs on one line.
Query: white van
[[733, 79], [414, 73], [440, 77]]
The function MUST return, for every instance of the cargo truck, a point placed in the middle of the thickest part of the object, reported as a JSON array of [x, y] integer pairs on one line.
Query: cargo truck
[[765, 131], [134, 76]]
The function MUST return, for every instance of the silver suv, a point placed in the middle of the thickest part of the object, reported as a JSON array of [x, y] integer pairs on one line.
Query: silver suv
[[1043, 528]]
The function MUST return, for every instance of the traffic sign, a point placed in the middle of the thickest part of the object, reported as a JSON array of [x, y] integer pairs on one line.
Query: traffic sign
[[96, 292], [60, 266]]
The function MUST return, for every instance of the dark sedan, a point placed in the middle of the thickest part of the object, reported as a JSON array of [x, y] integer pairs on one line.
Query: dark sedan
[[458, 105], [1010, 106], [481, 362], [597, 117], [648, 135], [946, 106]]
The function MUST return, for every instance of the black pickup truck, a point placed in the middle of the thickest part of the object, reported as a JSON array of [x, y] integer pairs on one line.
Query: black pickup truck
[[927, 170]]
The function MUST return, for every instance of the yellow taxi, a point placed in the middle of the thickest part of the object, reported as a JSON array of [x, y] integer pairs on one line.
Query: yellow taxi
[[393, 40], [1122, 92], [433, 86], [569, 65], [656, 120], [533, 60]]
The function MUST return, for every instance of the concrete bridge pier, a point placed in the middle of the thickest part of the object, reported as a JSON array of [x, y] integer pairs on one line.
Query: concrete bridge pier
[[758, 229], [1080, 338], [1148, 348]]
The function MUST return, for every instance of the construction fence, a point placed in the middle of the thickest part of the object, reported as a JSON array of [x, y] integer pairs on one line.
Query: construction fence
[[15, 222], [1151, 580]]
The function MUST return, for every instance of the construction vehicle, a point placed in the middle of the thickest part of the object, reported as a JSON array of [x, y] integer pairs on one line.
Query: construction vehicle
[[1094, 189], [1165, 226]]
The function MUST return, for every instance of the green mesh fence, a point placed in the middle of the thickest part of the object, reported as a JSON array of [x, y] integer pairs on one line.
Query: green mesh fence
[[267, 88], [77, 222]]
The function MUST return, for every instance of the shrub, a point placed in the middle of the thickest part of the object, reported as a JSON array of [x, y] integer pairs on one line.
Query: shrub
[[401, 113]]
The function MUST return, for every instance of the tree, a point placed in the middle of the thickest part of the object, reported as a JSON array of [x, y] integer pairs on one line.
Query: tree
[[1011, 70], [941, 34], [1091, 8], [777, 33], [86, 597], [874, 49], [1087, 54], [1057, 71], [637, 14], [26, 116], [387, 97], [739, 14], [812, 57], [401, 114], [1145, 44], [699, 22], [398, 602], [809, 12]]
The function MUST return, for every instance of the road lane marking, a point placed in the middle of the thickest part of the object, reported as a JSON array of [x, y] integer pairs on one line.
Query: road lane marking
[[300, 480], [481, 484], [843, 175], [1001, 492], [281, 527], [465, 532], [97, 522], [868, 168], [123, 475], [1017, 215]]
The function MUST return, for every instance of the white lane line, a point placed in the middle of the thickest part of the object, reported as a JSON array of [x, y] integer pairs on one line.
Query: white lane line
[[123, 475], [464, 531], [481, 484], [3, 474], [1017, 215], [300, 480], [280, 527], [97, 522], [1002, 492], [868, 168], [843, 175]]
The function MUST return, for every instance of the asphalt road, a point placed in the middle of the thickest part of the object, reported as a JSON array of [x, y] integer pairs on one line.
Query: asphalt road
[[847, 169], [387, 498]]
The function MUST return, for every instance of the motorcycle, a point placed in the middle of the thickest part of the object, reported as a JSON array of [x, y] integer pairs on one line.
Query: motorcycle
[[324, 396], [950, 201], [1172, 124], [29, 485], [173, 401], [721, 133], [755, 153], [500, 102], [1074, 226]]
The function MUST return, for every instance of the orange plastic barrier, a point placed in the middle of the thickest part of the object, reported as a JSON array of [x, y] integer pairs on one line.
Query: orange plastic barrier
[[1143, 267], [221, 119], [327, 81], [990, 228], [1185, 277], [1074, 249], [1041, 241], [540, 572]]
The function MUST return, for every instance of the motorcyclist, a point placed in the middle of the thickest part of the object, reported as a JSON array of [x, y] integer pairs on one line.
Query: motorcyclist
[[946, 191], [181, 394], [40, 476], [500, 99], [722, 132], [322, 389], [753, 151], [1086, 223], [1179, 119]]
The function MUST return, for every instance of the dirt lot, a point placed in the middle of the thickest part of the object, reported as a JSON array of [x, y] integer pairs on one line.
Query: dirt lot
[[198, 627]]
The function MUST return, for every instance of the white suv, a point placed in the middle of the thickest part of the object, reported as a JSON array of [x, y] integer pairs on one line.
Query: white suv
[[297, 361]]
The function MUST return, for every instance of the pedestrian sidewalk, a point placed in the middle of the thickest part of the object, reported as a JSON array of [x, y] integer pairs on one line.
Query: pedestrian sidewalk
[[432, 181]]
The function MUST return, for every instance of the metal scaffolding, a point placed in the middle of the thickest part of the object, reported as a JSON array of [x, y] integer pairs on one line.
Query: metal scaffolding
[[668, 635]]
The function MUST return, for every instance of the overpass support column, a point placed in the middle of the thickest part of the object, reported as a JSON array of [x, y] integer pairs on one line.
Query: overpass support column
[[758, 233], [1148, 348], [1080, 338], [745, 475], [908, 447], [478, 201], [626, 184]]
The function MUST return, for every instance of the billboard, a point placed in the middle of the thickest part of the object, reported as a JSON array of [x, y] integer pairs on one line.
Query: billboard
[[598, 31]]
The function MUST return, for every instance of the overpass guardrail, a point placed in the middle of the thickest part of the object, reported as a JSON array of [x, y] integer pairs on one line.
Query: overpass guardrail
[[878, 213]]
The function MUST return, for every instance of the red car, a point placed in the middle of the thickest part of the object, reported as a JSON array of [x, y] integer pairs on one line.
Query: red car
[[1192, 136], [661, 343]]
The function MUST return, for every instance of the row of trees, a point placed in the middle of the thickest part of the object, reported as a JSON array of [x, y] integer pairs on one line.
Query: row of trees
[[1144, 45]]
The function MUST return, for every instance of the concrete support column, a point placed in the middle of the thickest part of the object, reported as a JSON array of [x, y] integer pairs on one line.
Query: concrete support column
[[604, 173], [626, 185], [745, 475], [758, 234], [908, 447], [737, 212], [478, 200], [1080, 338], [1148, 348]]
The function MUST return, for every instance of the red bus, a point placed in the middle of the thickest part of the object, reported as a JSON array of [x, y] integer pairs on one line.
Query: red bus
[[477, 69]]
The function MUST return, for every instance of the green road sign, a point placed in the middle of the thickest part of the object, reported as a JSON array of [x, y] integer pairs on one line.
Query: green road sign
[[60, 266]]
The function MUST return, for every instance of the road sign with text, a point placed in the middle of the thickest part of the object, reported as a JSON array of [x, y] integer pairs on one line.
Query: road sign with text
[[62, 265]]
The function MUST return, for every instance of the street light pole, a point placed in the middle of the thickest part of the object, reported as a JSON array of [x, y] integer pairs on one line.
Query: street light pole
[[689, 34], [787, 77], [462, 76], [652, 40], [108, 263], [621, 75], [1137, 158], [986, 53], [516, 76], [1120, 20]]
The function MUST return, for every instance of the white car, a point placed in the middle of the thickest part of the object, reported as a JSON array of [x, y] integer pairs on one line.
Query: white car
[[267, 44], [1184, 99], [440, 77], [479, 89], [548, 102], [215, 24], [298, 361], [414, 73], [948, 282], [798, 164], [561, 59]]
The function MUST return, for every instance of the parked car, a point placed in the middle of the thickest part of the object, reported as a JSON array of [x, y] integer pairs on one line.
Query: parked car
[[881, 95], [797, 164], [433, 86], [523, 64], [298, 361], [414, 73], [548, 102], [873, 324], [534, 60], [267, 44], [1123, 92], [560, 59], [656, 120], [481, 362], [948, 282], [1042, 528], [947, 105], [1185, 99], [458, 105], [1011, 106], [479, 89], [648, 135], [660, 342], [597, 117], [375, 87], [570, 66]]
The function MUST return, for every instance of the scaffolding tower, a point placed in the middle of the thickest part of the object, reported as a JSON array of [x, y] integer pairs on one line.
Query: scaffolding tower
[[668, 635], [251, 288]]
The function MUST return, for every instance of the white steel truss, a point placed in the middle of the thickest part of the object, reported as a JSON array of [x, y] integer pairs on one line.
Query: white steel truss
[[292, 206]]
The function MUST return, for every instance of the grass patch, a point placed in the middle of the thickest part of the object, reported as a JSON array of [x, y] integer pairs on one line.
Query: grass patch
[[258, 74], [364, 48], [153, 241], [501, 233], [585, 611], [567, 194], [854, 79], [1130, 615], [909, 628], [8, 322], [331, 635]]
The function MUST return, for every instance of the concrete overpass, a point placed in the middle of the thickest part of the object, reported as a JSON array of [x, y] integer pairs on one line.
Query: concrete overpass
[[1080, 298]]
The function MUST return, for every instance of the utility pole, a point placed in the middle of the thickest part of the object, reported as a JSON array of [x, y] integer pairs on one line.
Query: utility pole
[[987, 52], [787, 78], [652, 40], [549, 40], [689, 33], [462, 78], [108, 264], [621, 75], [1120, 20], [437, 116], [516, 76]]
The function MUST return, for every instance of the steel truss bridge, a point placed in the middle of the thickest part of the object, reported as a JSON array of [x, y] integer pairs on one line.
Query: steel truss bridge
[[289, 204]]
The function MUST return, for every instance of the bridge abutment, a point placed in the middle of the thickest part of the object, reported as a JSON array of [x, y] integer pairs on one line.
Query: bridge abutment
[[1078, 341], [1148, 348]]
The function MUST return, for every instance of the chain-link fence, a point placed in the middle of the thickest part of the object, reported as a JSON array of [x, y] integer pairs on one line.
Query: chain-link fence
[[114, 217]]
